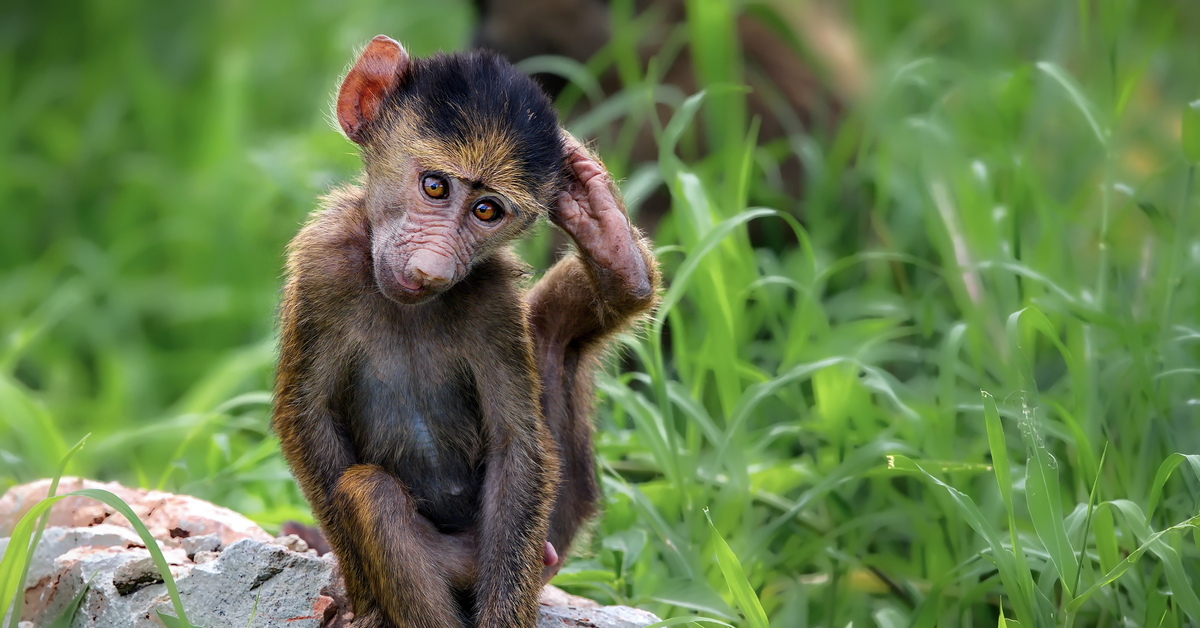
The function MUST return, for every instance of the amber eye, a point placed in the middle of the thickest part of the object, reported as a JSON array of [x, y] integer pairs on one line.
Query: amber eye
[[435, 186], [487, 210]]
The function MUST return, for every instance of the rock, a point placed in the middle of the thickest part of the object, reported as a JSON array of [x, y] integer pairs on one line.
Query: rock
[[554, 596], [134, 575], [560, 608], [594, 617], [203, 543], [165, 514], [229, 572], [57, 541], [248, 580], [202, 557], [292, 542], [257, 585], [103, 605]]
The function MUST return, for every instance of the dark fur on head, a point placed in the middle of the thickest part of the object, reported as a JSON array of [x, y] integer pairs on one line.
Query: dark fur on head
[[479, 109]]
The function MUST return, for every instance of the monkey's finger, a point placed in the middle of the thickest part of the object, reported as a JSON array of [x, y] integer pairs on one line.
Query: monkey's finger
[[597, 193], [591, 175], [571, 215], [577, 156]]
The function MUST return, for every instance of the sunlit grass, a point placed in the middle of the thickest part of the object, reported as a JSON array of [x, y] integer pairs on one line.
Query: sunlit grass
[[967, 391]]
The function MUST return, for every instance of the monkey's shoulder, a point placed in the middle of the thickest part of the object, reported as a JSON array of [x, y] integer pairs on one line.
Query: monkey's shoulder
[[331, 255]]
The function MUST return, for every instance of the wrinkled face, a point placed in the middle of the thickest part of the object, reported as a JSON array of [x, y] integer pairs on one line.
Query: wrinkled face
[[462, 152], [431, 222]]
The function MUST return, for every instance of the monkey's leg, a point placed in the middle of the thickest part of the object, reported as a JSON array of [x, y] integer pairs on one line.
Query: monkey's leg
[[580, 303], [566, 403], [520, 470], [396, 564]]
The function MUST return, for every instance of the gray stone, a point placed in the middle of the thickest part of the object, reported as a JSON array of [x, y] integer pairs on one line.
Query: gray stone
[[135, 575], [168, 516], [205, 557], [594, 617], [250, 579], [103, 605], [257, 585], [292, 542], [201, 543], [56, 541]]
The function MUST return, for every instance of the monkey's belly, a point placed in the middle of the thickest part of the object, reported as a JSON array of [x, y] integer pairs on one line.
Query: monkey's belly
[[428, 435]]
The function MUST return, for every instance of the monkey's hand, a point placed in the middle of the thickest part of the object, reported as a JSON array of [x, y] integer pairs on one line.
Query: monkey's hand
[[591, 212]]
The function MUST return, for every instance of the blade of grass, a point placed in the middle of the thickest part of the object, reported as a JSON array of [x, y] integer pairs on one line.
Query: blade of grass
[[1022, 604], [735, 577], [1186, 595], [998, 447], [1165, 470], [18, 596]]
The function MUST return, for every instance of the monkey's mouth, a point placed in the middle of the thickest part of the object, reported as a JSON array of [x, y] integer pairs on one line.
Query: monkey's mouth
[[409, 292], [409, 285]]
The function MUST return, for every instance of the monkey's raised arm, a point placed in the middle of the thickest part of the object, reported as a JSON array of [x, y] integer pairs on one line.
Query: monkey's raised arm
[[613, 277], [584, 300]]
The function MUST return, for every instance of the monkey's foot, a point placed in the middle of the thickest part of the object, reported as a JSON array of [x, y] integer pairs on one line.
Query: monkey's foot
[[591, 214]]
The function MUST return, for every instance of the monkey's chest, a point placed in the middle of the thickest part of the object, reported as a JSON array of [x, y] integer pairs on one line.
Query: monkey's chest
[[422, 423]]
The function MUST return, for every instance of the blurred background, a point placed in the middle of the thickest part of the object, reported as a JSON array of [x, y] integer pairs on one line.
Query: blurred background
[[868, 214]]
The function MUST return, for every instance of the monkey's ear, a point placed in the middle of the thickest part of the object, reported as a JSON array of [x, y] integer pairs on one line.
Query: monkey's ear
[[378, 71]]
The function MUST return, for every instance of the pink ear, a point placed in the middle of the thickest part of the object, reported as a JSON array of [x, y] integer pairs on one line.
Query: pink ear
[[377, 72]]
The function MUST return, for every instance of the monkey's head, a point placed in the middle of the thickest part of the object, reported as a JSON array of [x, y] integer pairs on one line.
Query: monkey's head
[[463, 154]]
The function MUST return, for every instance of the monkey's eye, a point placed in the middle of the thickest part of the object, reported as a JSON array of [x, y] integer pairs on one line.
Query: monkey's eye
[[435, 186], [487, 210]]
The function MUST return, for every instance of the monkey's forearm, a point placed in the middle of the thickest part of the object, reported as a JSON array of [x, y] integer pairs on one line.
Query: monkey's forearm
[[520, 479], [612, 279], [582, 303], [314, 448], [395, 562], [518, 491]]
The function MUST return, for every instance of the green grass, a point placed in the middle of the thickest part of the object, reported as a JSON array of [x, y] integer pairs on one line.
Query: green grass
[[967, 393]]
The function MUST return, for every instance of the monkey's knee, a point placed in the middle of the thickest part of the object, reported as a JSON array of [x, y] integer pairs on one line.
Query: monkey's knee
[[360, 481], [370, 496], [400, 567]]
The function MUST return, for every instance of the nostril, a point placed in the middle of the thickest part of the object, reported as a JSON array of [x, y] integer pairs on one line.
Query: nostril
[[431, 280], [430, 269]]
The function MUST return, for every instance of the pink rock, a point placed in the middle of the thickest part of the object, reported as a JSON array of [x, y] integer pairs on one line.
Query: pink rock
[[166, 515], [554, 596]]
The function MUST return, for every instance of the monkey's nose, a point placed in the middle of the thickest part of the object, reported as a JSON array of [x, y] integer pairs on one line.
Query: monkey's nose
[[430, 269]]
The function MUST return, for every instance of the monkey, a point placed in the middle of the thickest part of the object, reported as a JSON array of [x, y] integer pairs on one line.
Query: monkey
[[436, 414]]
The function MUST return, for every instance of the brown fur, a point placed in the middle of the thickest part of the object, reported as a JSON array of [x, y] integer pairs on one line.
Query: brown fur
[[484, 158], [485, 385]]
